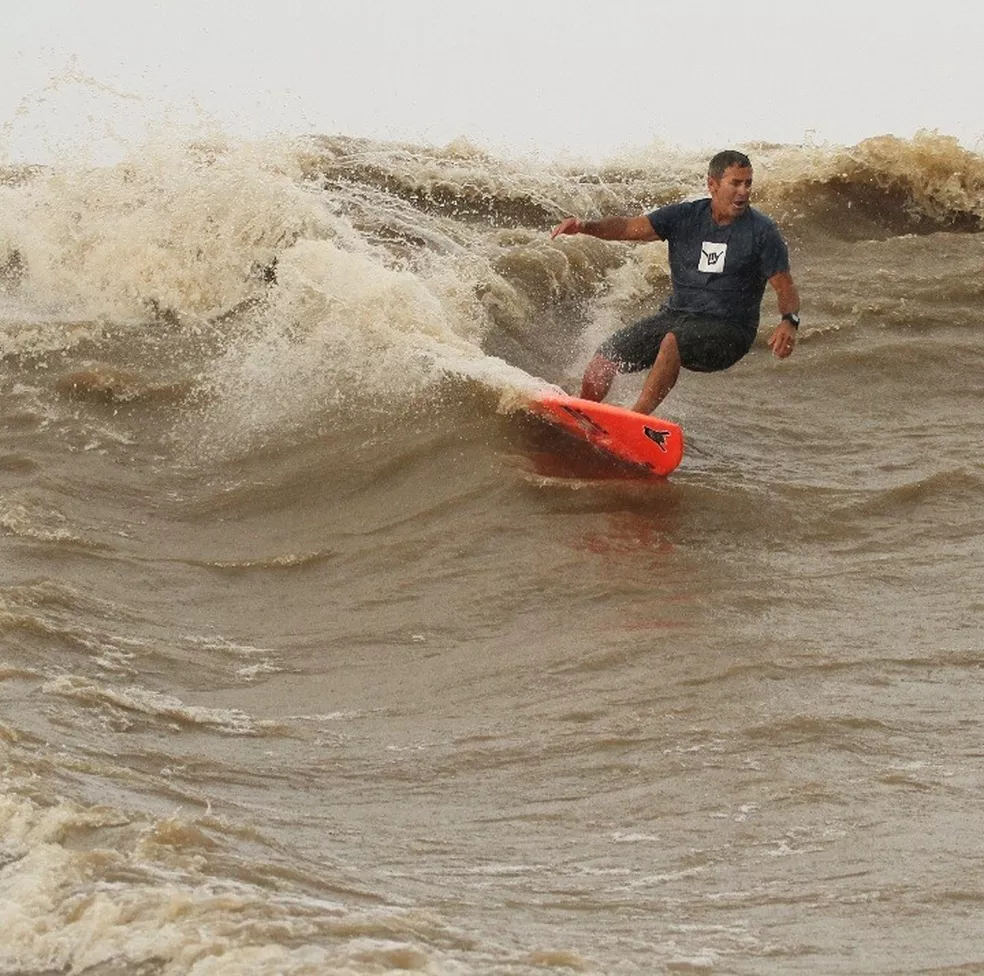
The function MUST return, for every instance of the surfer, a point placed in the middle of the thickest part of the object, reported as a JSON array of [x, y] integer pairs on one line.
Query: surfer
[[722, 252]]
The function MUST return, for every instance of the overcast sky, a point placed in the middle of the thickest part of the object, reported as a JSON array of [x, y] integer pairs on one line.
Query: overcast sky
[[549, 77]]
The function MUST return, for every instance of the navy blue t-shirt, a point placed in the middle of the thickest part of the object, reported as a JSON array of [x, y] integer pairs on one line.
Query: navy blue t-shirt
[[716, 270]]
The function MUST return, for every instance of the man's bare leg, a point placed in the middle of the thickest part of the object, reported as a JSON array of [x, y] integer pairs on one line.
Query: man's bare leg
[[662, 376], [598, 378]]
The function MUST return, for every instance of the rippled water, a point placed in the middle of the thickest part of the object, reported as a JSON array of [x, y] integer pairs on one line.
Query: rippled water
[[310, 663]]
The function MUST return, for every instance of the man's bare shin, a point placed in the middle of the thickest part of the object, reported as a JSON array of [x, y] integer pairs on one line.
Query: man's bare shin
[[662, 377]]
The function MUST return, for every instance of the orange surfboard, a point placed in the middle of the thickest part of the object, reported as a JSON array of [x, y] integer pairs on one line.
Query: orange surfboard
[[630, 437]]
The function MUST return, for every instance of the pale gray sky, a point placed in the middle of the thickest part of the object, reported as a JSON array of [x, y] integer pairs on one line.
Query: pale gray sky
[[553, 77]]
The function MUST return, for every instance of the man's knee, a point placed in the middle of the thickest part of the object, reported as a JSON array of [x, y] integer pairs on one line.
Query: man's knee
[[602, 365], [598, 377]]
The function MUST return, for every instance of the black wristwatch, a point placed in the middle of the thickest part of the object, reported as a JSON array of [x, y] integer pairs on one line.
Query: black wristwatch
[[792, 318]]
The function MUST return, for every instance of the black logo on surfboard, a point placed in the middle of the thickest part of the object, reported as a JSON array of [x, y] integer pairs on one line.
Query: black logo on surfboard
[[657, 436]]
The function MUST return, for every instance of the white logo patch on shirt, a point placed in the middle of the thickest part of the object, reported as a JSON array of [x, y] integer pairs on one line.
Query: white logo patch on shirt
[[712, 257]]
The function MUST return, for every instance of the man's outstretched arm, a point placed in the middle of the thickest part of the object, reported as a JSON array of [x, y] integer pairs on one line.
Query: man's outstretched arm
[[609, 228]]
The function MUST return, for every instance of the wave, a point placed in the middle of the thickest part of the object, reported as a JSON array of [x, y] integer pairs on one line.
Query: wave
[[883, 187], [99, 889], [127, 707], [192, 231], [897, 186], [269, 285]]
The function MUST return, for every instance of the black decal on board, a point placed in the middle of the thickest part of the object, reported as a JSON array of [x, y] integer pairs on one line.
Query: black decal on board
[[658, 436]]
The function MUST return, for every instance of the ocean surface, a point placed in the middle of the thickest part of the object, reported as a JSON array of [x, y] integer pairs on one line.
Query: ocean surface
[[319, 655]]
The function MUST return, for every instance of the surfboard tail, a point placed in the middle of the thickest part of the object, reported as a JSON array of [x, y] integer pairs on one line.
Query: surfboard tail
[[649, 442]]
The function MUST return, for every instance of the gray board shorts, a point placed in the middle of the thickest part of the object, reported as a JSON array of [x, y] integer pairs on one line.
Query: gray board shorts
[[707, 344]]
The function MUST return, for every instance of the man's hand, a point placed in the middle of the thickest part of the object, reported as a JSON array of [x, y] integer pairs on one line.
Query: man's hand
[[781, 341], [571, 225]]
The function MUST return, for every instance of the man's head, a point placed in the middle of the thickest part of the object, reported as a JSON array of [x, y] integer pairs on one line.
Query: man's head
[[724, 159], [729, 182]]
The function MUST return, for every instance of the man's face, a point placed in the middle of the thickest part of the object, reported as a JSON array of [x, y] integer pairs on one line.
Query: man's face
[[731, 193]]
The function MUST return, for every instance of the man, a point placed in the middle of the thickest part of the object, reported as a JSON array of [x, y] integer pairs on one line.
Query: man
[[722, 252]]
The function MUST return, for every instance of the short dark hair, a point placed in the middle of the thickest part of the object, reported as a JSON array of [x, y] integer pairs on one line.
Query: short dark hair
[[724, 159]]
